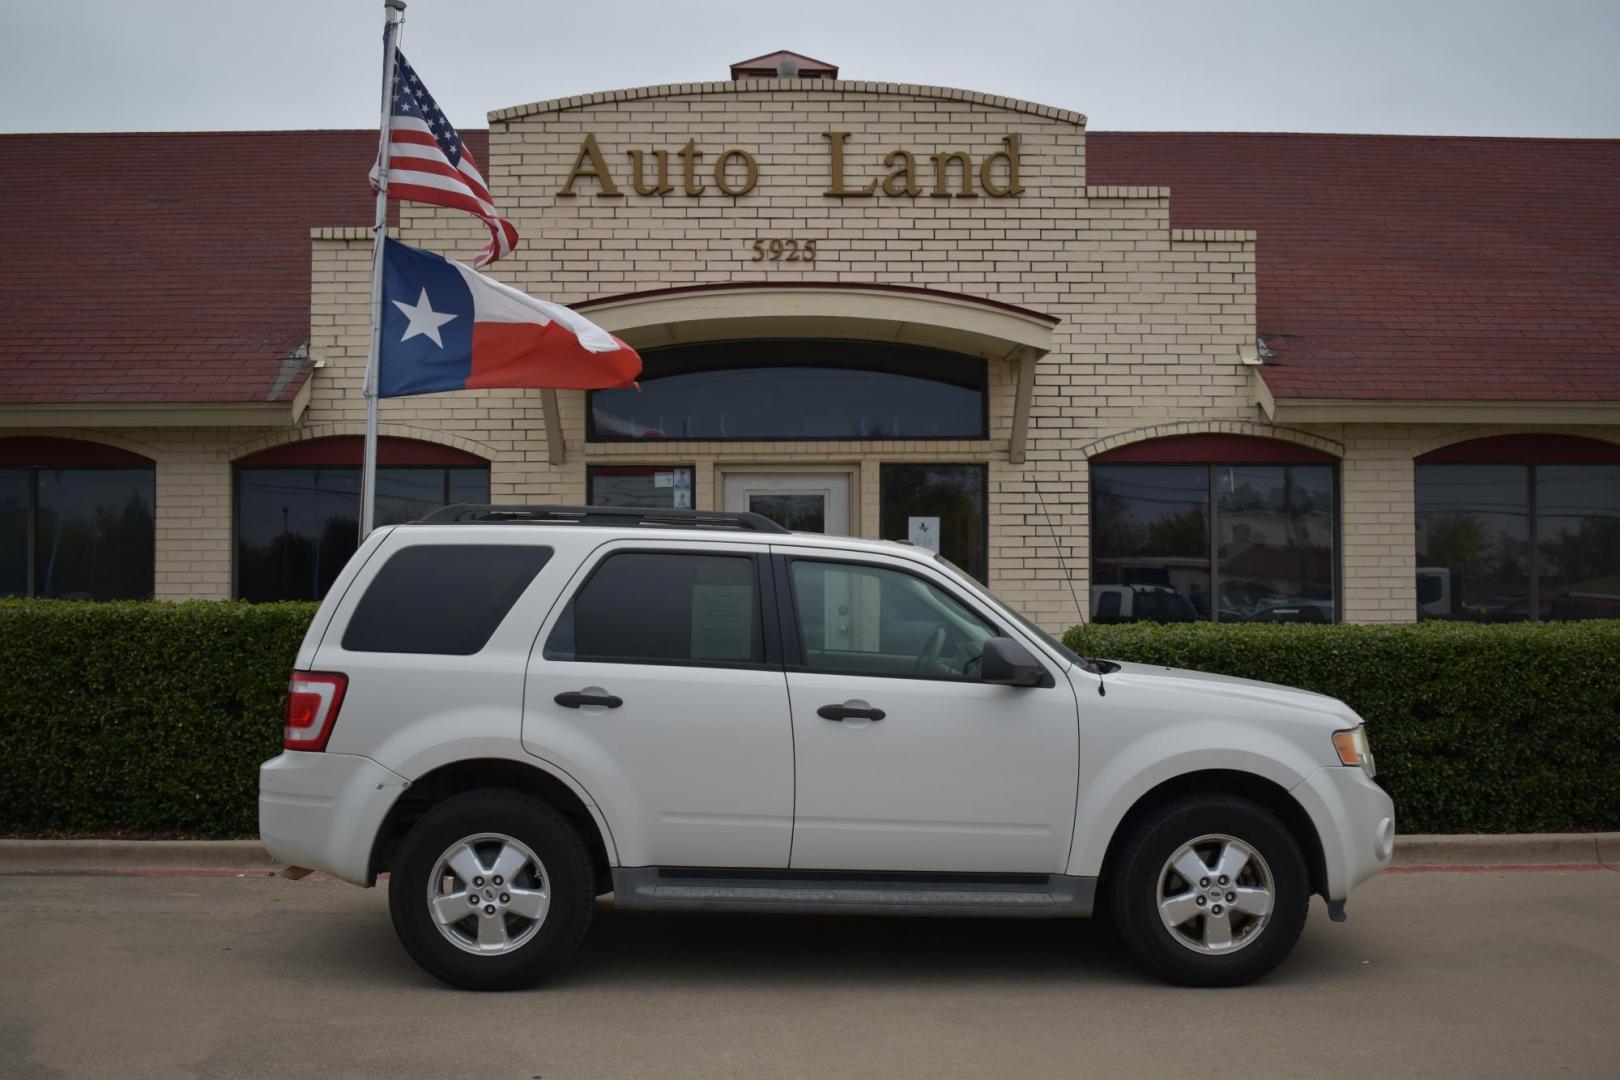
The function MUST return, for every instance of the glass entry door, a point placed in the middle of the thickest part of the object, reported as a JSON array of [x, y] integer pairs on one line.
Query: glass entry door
[[804, 502]]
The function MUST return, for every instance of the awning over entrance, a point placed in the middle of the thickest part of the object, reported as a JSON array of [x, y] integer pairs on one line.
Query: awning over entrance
[[901, 314]]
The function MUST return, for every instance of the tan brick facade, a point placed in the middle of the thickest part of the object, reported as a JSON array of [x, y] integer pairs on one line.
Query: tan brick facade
[[1151, 319]]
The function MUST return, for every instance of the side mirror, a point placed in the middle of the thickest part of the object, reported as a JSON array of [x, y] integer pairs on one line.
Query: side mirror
[[1006, 662]]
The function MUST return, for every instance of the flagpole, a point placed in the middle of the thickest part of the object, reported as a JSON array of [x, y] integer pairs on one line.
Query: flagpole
[[395, 12]]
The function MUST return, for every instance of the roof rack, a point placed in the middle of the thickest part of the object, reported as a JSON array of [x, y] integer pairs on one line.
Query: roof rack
[[623, 516]]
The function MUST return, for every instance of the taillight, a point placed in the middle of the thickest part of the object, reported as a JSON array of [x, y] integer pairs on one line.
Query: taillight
[[313, 700]]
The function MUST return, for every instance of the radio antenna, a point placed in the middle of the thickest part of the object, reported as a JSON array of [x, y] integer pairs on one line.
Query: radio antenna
[[1057, 547], [1095, 666]]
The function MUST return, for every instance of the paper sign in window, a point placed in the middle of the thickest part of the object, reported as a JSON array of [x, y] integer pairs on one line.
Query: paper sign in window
[[722, 622], [923, 532]]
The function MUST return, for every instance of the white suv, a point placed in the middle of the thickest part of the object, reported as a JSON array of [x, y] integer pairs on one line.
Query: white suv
[[515, 710]]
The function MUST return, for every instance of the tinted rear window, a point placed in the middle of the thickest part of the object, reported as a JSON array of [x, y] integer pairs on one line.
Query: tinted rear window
[[655, 607], [443, 599]]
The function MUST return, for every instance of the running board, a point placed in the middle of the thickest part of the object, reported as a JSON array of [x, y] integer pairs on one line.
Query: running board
[[1029, 896]]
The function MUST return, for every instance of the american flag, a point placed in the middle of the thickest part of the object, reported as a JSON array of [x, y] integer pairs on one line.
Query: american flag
[[428, 163]]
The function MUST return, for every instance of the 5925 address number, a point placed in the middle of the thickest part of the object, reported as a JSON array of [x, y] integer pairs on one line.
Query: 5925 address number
[[778, 249]]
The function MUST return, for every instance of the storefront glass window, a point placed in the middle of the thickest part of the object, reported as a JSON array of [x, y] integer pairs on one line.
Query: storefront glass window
[[1504, 542], [1473, 542], [296, 527], [654, 487], [941, 507], [1150, 543], [14, 532], [1578, 541], [92, 532], [1272, 559], [801, 390], [1274, 542]]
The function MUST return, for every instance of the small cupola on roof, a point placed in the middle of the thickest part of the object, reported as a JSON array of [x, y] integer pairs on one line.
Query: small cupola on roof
[[783, 64]]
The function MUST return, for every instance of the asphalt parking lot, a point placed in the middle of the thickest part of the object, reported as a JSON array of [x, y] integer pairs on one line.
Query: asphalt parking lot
[[1436, 974]]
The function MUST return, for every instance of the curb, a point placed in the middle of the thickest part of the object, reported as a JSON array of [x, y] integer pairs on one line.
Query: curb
[[1469, 850], [127, 854], [1508, 849]]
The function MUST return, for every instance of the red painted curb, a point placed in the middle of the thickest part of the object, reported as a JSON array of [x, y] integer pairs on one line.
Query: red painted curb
[[162, 872]]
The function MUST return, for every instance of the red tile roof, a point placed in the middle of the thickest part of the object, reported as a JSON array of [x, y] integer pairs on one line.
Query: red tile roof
[[175, 267], [168, 267], [1400, 267]]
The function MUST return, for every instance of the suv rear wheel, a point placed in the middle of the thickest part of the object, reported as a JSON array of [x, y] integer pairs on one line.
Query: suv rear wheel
[[491, 890], [1210, 890]]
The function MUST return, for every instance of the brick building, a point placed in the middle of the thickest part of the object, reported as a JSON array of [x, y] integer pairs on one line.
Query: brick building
[[1228, 376]]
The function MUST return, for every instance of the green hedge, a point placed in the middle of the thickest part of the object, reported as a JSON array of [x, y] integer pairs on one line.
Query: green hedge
[[142, 718], [1475, 728]]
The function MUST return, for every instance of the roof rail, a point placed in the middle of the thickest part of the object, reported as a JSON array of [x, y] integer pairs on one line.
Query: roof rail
[[624, 516]]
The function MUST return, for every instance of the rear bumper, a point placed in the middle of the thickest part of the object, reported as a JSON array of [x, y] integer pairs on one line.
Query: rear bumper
[[1355, 820], [323, 810]]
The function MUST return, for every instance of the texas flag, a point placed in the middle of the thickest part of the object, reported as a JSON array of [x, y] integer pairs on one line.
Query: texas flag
[[448, 327]]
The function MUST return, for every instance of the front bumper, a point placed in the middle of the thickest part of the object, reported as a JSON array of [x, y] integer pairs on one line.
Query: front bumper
[[1355, 820], [323, 810]]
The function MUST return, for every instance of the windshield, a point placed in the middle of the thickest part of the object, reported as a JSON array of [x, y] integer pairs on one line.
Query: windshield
[[971, 582]]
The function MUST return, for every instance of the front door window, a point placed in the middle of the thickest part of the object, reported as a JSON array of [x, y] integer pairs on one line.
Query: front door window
[[801, 513], [869, 619], [803, 502]]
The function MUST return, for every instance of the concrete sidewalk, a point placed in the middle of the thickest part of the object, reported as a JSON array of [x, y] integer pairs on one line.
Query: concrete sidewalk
[[1474, 849]]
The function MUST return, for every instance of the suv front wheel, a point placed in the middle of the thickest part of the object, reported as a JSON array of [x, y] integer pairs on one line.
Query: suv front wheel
[[491, 890], [1210, 890]]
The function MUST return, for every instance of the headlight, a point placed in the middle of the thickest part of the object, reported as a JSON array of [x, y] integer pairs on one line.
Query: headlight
[[1354, 750]]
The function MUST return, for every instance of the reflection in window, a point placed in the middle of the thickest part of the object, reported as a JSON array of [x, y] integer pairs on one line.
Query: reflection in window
[[800, 513], [1274, 542], [763, 390], [92, 530], [649, 607], [296, 527], [940, 506], [1473, 541], [1578, 541], [1150, 543], [655, 487], [870, 620], [1504, 542], [1273, 551]]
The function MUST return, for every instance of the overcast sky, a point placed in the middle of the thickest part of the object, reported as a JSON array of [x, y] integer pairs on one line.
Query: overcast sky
[[1450, 67]]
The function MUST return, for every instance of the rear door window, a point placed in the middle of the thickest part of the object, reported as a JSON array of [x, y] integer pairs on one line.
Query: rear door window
[[444, 599], [664, 607]]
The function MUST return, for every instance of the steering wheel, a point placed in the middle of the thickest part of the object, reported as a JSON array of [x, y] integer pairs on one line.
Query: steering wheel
[[931, 651]]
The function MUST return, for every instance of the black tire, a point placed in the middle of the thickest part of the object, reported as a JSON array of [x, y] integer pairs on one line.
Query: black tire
[[552, 840], [1134, 890]]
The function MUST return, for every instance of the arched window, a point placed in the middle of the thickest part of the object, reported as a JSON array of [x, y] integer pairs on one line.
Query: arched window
[[297, 517], [1517, 527], [795, 389], [77, 520], [1227, 527]]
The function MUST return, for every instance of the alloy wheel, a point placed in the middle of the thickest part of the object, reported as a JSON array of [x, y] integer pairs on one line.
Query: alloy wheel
[[1215, 894], [488, 894]]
